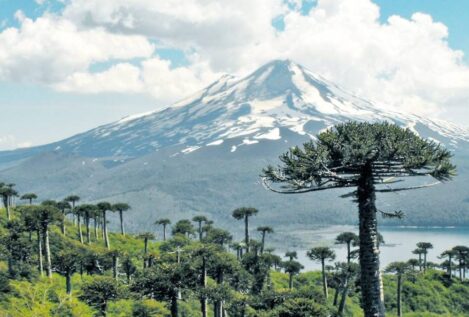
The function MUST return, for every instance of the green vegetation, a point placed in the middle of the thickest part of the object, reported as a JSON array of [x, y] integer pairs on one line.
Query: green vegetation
[[200, 271], [362, 156]]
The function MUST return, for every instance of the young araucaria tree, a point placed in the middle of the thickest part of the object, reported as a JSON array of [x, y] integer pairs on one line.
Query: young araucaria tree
[[364, 156]]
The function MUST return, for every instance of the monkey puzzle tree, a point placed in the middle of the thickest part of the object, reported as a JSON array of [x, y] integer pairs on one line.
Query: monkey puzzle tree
[[146, 236], [99, 292], [363, 156], [419, 252], [7, 192], [63, 206], [245, 213], [218, 236], [183, 227], [104, 207], [163, 222], [322, 254], [199, 220], [86, 211], [424, 246], [292, 268], [44, 215], [462, 254], [291, 255], [29, 197], [399, 268], [347, 238], [203, 254], [73, 200], [129, 267], [450, 254], [264, 230], [121, 208], [165, 282], [413, 263], [65, 263]]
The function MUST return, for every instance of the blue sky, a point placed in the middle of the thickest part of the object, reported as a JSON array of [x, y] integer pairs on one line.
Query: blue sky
[[46, 98]]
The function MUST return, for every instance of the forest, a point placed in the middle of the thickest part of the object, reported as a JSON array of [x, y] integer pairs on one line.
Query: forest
[[59, 258]]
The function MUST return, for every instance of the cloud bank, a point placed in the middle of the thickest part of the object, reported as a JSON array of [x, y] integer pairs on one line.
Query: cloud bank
[[403, 63]]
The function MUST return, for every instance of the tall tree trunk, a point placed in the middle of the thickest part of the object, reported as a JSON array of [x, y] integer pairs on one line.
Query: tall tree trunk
[[39, 252], [106, 237], [220, 279], [203, 299], [372, 297], [80, 233], [263, 242], [336, 295], [68, 282], [200, 231], [7, 207], [290, 281], [348, 253], [344, 296], [62, 224], [420, 262], [460, 269], [425, 262], [246, 232], [174, 306], [121, 216], [164, 232], [399, 294], [324, 278], [115, 264], [450, 266], [145, 252], [95, 224], [88, 233], [47, 251]]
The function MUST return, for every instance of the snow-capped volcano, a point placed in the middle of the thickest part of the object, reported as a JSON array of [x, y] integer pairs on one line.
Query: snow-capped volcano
[[280, 95], [205, 153]]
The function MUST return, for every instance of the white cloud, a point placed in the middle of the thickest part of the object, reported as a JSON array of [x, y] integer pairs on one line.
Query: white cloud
[[153, 76], [404, 63], [50, 49], [220, 31], [121, 77]]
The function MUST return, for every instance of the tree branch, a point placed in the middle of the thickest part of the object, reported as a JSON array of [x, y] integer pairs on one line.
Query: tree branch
[[302, 190], [393, 190]]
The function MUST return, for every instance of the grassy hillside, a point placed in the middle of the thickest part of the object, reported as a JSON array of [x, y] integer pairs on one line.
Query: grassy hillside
[[26, 293]]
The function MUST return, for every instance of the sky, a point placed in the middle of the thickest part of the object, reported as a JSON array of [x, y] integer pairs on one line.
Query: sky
[[70, 65]]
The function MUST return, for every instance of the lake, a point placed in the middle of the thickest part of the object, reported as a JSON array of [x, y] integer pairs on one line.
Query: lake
[[400, 241]]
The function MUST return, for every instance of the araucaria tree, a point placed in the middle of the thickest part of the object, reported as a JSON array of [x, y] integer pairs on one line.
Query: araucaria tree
[[399, 268], [361, 156], [243, 214], [65, 263], [73, 200], [347, 238], [322, 254], [264, 230], [292, 268], [44, 216], [29, 197], [121, 208], [146, 237], [63, 206], [199, 220], [7, 192], [424, 246], [163, 222], [104, 207]]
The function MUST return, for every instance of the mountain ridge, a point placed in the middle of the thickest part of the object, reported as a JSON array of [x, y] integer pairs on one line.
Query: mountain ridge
[[204, 154]]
